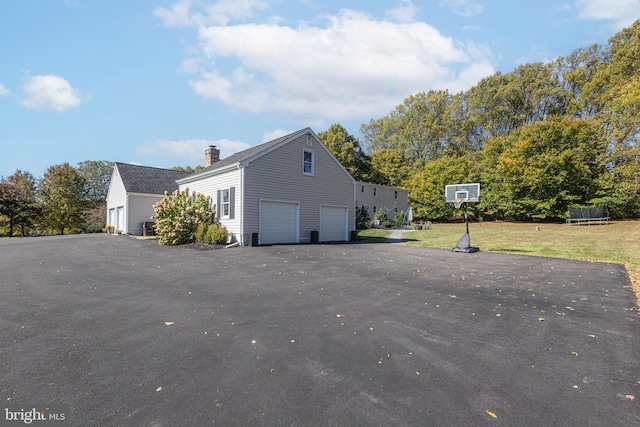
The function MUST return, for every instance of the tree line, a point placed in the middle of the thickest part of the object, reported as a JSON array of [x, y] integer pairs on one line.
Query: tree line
[[66, 199], [538, 139]]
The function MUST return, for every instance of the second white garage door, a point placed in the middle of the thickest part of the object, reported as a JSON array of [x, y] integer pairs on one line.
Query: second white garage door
[[278, 222], [333, 224]]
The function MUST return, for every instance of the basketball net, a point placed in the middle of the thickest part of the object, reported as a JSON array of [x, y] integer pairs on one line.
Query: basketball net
[[458, 203]]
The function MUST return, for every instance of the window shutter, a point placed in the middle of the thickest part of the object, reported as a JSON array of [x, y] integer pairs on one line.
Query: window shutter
[[218, 204], [232, 202]]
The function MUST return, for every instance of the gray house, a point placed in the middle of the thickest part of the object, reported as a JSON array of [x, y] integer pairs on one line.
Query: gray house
[[375, 197], [133, 191], [283, 191]]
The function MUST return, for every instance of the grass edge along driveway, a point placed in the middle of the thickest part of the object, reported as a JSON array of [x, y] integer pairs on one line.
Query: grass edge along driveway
[[617, 241]]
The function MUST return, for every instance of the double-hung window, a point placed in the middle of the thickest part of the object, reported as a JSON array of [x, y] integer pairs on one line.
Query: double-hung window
[[307, 162], [225, 208], [225, 202]]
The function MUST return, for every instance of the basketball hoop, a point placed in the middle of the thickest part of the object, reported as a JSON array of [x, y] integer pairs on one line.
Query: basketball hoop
[[458, 202]]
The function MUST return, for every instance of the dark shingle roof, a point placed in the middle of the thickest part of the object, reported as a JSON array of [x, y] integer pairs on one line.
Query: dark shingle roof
[[147, 180], [246, 154]]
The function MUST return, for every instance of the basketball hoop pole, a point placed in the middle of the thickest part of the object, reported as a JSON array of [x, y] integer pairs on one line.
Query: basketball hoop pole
[[464, 244], [466, 219]]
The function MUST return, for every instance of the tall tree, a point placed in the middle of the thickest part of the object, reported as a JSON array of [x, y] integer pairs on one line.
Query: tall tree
[[427, 186], [389, 168], [97, 175], [63, 195], [417, 129], [347, 149], [538, 171], [18, 200]]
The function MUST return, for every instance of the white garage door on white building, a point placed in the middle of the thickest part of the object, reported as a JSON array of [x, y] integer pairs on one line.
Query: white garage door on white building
[[279, 222], [333, 224]]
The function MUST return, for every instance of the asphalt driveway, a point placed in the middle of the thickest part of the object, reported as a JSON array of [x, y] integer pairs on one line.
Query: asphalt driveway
[[132, 334]]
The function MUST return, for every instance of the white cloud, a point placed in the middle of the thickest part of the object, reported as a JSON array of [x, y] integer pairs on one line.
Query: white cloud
[[353, 67], [177, 16], [275, 134], [51, 93], [191, 150], [187, 12], [3, 90], [622, 13], [406, 12], [467, 8]]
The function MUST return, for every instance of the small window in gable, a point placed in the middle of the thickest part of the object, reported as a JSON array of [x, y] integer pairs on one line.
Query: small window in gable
[[362, 189], [375, 191], [307, 162], [396, 194]]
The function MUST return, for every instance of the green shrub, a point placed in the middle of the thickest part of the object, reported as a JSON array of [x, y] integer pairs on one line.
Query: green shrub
[[178, 216], [201, 232], [380, 215], [212, 234], [216, 235]]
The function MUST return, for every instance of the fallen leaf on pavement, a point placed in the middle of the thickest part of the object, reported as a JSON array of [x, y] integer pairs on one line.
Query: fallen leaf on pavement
[[491, 414], [159, 389], [339, 315], [169, 323]]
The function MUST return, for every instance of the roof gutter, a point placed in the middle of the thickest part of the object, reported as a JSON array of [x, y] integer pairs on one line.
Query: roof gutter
[[199, 176]]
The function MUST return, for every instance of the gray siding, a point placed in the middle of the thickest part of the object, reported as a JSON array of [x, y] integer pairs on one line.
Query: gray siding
[[384, 198], [278, 175], [139, 210]]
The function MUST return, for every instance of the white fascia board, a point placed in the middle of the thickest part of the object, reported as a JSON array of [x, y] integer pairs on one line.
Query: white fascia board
[[292, 137], [214, 172]]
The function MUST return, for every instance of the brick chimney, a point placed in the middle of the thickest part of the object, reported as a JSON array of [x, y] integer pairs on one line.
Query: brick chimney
[[211, 155]]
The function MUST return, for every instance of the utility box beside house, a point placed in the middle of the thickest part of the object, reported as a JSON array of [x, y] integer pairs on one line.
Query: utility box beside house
[[148, 229]]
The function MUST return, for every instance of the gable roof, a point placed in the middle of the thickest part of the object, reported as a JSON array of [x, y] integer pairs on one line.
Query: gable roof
[[248, 154], [148, 180]]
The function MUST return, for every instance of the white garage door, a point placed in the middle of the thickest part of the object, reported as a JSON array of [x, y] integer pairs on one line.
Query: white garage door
[[333, 224], [278, 222]]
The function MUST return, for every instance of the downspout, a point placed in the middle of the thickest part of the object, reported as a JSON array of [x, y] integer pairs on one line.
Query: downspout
[[241, 210], [125, 224], [353, 210]]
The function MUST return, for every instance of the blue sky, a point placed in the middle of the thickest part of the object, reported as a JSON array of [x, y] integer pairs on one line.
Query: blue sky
[[155, 82]]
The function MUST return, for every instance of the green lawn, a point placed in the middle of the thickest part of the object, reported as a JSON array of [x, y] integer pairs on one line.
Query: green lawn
[[619, 241]]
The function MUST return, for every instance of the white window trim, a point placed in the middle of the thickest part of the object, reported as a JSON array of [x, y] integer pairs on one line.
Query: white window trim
[[227, 203], [313, 161]]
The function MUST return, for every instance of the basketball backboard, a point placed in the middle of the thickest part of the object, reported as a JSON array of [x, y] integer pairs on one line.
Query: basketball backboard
[[469, 193]]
